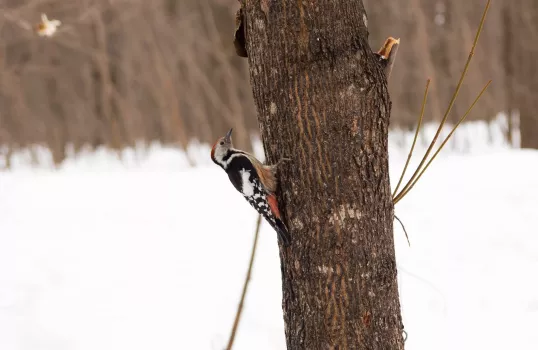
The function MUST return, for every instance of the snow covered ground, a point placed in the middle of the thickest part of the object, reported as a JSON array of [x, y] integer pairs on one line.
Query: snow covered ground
[[143, 254]]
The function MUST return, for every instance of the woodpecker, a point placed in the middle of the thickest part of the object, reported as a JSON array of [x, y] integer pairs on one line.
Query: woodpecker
[[256, 182]]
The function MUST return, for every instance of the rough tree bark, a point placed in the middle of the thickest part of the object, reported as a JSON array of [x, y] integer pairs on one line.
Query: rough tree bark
[[527, 26], [322, 100]]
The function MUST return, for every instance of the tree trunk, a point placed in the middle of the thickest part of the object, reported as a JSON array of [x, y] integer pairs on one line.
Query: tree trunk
[[322, 101], [528, 76], [508, 62]]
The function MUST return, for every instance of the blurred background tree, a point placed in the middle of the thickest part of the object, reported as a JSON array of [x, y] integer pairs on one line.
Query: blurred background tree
[[125, 72]]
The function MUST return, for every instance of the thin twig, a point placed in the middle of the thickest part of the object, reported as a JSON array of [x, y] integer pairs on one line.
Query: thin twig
[[451, 104], [415, 138], [402, 195], [245, 285], [405, 231]]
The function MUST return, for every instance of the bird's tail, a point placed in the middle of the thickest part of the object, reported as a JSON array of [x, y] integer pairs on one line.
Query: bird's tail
[[282, 232]]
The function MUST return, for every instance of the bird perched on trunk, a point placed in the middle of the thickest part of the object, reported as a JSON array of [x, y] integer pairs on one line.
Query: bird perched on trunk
[[256, 182]]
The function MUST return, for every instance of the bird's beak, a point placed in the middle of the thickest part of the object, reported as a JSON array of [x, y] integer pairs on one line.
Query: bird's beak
[[228, 137]]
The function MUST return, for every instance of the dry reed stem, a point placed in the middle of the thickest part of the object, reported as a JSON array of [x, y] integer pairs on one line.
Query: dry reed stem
[[414, 138], [412, 181], [402, 195], [245, 286]]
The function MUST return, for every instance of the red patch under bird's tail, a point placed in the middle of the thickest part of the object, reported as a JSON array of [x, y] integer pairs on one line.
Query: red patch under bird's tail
[[279, 227]]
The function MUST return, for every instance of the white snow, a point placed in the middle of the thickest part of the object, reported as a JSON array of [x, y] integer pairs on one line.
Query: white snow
[[108, 255]]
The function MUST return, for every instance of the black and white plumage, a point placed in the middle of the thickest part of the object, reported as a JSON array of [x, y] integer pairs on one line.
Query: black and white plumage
[[255, 181]]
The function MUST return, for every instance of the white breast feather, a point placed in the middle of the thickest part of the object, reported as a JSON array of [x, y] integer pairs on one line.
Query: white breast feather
[[248, 186]]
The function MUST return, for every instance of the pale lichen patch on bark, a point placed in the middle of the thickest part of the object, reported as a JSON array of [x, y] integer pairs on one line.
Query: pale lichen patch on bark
[[272, 108], [344, 212], [353, 213], [351, 90], [298, 224], [348, 92], [333, 218], [355, 127], [325, 269], [260, 23]]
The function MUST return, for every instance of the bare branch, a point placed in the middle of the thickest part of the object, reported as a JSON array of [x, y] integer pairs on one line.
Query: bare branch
[[405, 231]]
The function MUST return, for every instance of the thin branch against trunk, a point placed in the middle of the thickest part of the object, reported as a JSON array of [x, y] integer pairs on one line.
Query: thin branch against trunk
[[406, 236]]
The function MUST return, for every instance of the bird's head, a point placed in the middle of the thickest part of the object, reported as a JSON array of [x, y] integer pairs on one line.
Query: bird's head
[[221, 148]]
